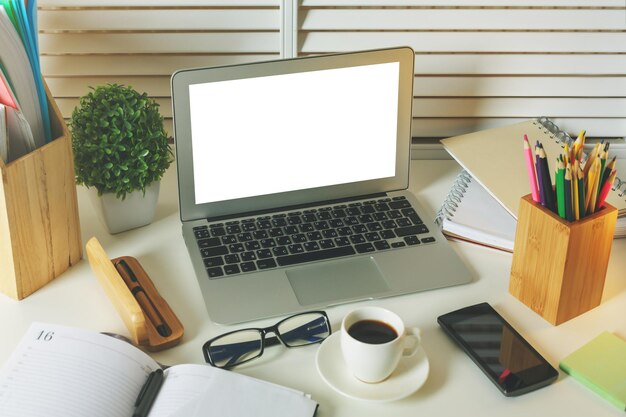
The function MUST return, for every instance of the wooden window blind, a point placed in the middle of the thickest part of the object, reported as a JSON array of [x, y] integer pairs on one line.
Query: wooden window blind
[[479, 63], [483, 63], [87, 43]]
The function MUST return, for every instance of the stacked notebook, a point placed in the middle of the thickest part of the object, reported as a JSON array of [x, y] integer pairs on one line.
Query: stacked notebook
[[483, 202]]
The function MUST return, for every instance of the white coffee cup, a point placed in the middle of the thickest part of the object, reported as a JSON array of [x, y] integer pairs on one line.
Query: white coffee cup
[[373, 348]]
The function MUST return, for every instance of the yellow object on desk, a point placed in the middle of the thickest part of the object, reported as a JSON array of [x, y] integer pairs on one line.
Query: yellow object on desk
[[558, 266], [149, 319]]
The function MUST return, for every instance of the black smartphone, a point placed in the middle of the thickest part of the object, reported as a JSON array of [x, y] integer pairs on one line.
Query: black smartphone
[[509, 361]]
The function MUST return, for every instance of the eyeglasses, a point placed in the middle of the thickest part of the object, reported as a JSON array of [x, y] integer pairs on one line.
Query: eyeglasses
[[240, 346]]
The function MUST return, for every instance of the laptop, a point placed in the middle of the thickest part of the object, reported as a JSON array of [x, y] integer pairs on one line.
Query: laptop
[[293, 177]]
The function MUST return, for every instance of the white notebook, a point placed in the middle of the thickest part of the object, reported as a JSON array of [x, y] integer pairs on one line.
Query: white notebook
[[59, 371], [471, 213]]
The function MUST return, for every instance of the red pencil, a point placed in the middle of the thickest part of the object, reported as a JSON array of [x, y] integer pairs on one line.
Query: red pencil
[[606, 187]]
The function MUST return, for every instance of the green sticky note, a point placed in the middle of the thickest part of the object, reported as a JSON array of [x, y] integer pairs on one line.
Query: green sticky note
[[601, 366]]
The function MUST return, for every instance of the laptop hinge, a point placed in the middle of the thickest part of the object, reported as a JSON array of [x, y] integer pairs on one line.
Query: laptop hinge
[[296, 207]]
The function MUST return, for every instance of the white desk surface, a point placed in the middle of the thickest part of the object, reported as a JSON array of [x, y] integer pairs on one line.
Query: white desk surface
[[455, 384]]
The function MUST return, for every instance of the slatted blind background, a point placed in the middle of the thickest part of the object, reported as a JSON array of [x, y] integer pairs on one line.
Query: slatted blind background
[[482, 63], [479, 63], [140, 43]]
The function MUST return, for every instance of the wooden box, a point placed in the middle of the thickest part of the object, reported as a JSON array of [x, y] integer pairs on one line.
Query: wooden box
[[558, 266], [39, 226], [139, 317]]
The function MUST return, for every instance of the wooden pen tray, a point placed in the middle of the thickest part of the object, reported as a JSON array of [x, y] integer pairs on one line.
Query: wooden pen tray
[[141, 322]]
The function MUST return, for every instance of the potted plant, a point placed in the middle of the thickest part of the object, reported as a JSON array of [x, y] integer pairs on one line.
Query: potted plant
[[120, 151]]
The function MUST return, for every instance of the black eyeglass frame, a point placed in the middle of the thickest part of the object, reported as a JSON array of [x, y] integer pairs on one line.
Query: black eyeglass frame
[[269, 341]]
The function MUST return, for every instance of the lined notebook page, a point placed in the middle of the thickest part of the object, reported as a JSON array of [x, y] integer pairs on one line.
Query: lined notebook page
[[225, 391], [204, 391], [183, 384], [63, 372]]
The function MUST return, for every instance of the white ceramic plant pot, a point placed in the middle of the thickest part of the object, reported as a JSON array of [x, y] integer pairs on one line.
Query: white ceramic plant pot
[[134, 211]]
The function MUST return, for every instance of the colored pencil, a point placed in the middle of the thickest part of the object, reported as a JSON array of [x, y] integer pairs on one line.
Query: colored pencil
[[590, 159], [603, 156], [608, 169], [579, 144], [559, 180], [567, 194], [538, 170], [592, 186], [531, 171], [574, 175], [547, 182], [581, 193], [606, 188]]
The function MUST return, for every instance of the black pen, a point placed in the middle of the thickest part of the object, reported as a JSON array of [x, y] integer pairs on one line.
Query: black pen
[[148, 393], [142, 298]]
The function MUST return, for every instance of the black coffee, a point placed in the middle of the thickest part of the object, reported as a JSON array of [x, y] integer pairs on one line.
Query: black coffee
[[372, 331]]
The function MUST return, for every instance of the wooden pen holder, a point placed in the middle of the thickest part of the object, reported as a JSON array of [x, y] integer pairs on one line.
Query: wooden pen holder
[[39, 226], [138, 316], [558, 266]]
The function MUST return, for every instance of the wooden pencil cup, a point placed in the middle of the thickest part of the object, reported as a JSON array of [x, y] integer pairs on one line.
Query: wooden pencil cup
[[558, 266], [39, 227]]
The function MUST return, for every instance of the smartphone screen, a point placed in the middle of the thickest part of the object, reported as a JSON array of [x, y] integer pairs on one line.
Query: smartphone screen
[[504, 355]]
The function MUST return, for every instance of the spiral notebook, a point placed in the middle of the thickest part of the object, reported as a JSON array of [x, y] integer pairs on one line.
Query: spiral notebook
[[494, 158], [470, 213]]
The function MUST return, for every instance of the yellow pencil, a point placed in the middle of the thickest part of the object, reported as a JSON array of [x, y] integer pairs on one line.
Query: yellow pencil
[[592, 186], [590, 159], [581, 193], [581, 139], [588, 180], [575, 190], [578, 144]]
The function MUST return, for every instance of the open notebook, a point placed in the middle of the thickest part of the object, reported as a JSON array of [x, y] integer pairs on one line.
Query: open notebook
[[59, 371]]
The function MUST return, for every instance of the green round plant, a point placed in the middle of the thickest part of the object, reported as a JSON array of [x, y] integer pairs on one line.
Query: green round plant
[[119, 141]]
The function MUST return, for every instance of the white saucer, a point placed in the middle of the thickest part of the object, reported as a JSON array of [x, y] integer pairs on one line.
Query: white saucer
[[407, 378]]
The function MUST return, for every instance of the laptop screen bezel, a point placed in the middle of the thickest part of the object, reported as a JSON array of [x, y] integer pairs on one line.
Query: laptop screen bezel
[[181, 80]]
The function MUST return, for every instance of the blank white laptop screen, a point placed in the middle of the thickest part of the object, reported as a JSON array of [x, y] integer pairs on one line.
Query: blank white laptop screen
[[290, 132]]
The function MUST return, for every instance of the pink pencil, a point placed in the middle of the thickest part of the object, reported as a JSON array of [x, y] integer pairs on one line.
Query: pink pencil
[[532, 177]]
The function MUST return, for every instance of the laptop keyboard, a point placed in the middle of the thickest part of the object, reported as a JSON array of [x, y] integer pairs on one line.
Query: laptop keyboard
[[295, 237]]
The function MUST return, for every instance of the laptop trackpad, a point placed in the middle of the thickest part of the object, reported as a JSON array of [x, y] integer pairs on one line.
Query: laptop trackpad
[[335, 281]]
